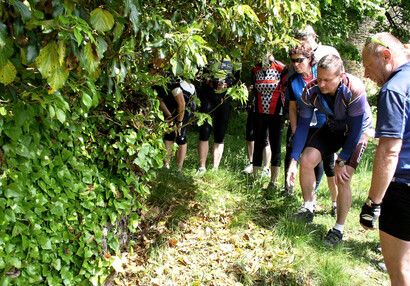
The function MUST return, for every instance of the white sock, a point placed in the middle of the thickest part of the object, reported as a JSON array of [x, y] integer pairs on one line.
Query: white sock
[[310, 206], [334, 204], [339, 227]]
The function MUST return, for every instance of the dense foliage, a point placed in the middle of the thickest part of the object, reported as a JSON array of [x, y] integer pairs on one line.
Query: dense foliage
[[396, 19], [78, 135]]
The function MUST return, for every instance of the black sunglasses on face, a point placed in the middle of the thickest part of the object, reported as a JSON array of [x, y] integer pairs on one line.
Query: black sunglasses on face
[[298, 60]]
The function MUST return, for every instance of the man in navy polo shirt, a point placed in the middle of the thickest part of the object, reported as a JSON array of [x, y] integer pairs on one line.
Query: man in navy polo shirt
[[386, 62]]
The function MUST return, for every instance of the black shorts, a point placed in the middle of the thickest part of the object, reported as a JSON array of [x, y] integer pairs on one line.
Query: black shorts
[[395, 211], [329, 142]]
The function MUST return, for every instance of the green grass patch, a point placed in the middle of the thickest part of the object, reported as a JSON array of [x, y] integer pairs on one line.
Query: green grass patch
[[219, 231]]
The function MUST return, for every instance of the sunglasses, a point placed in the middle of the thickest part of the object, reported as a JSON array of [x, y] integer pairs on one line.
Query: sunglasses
[[298, 60], [374, 40]]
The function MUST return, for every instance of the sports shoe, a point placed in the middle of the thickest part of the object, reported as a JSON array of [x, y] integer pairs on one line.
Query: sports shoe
[[333, 237], [248, 169], [382, 266], [304, 214], [265, 172], [287, 191], [200, 171], [272, 187]]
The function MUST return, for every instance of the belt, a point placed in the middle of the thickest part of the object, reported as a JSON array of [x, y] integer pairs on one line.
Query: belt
[[394, 181]]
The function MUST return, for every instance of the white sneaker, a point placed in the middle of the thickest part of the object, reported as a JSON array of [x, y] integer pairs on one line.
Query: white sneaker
[[265, 172], [200, 171], [248, 169]]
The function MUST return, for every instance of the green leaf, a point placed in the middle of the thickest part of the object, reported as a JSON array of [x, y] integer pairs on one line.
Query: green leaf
[[51, 111], [177, 66], [118, 30], [61, 52], [101, 20], [9, 215], [78, 36], [90, 58], [7, 73], [44, 242], [13, 132], [32, 53], [101, 47], [3, 34], [22, 9], [60, 115], [57, 209], [47, 60], [58, 77], [87, 100]]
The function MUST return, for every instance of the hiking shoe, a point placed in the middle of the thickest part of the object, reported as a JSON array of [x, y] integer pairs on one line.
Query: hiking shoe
[[382, 266], [287, 191], [272, 187], [200, 171], [265, 172], [333, 211], [333, 237], [248, 169], [304, 214]]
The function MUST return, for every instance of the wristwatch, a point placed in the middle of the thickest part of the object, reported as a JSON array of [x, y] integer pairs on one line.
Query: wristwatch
[[371, 204], [340, 163]]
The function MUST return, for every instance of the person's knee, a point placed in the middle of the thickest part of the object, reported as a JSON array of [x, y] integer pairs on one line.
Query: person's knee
[[205, 132], [305, 162], [181, 140]]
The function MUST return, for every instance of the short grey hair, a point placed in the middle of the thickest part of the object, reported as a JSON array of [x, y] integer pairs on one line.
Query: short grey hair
[[331, 62], [306, 32]]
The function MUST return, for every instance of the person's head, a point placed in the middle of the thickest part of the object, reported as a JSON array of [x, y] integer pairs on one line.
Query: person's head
[[302, 57], [330, 71], [382, 54], [307, 34], [267, 60]]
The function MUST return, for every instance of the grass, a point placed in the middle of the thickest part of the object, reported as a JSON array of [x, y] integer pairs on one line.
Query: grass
[[215, 230]]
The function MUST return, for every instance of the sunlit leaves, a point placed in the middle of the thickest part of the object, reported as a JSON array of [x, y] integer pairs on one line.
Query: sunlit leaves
[[101, 20], [50, 62], [90, 58], [7, 73]]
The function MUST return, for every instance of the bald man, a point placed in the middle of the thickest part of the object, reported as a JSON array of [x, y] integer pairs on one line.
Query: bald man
[[386, 62]]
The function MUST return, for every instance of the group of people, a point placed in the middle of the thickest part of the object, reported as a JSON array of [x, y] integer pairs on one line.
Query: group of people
[[330, 123]]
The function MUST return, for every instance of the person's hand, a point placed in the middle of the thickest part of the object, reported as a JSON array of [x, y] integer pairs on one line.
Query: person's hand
[[292, 171], [178, 124], [369, 216], [341, 174]]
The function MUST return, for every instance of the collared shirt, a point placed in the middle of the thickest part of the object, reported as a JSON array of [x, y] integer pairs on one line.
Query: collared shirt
[[393, 112]]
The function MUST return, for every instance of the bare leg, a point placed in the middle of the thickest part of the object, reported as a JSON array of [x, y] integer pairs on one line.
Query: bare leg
[[168, 147], [332, 188], [203, 149], [396, 254], [274, 171], [344, 198], [256, 171], [267, 154], [180, 155], [308, 161], [218, 150], [250, 145]]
